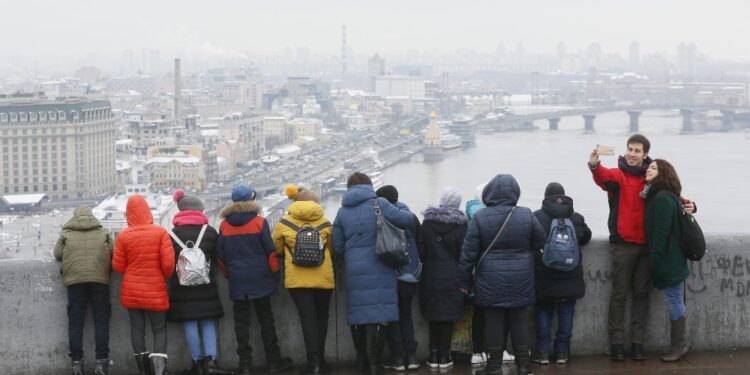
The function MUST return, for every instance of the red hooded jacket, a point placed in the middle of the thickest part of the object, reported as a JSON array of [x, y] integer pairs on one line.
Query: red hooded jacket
[[144, 253]]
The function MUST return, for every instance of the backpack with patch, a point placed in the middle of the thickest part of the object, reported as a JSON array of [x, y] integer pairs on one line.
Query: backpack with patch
[[561, 251], [308, 247], [692, 242], [192, 267]]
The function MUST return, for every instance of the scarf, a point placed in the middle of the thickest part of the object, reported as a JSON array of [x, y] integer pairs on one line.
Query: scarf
[[635, 171], [189, 217]]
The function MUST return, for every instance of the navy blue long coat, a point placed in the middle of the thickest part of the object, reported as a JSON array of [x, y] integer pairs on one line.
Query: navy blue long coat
[[371, 294], [505, 278]]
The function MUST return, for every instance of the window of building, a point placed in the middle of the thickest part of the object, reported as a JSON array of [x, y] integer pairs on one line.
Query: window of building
[[42, 116], [13, 118], [3, 118], [24, 117], [32, 117], [52, 116]]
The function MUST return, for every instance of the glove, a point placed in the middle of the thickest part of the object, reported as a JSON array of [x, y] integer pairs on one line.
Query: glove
[[273, 262]]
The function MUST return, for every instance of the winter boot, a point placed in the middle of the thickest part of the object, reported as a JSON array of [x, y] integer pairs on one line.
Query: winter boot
[[522, 360], [246, 366], [375, 342], [210, 366], [359, 337], [680, 345], [325, 368], [159, 363], [197, 368], [494, 364], [144, 364], [102, 367], [78, 367]]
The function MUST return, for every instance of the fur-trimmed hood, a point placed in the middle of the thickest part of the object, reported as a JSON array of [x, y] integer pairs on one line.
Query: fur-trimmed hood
[[239, 213], [445, 215]]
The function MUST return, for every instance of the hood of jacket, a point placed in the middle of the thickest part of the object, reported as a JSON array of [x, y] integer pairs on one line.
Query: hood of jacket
[[445, 215], [558, 206], [82, 220], [138, 211], [502, 190], [357, 194], [306, 210], [239, 213]]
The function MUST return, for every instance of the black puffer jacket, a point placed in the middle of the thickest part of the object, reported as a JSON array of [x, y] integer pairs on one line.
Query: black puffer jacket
[[553, 285], [505, 278], [442, 236], [197, 301]]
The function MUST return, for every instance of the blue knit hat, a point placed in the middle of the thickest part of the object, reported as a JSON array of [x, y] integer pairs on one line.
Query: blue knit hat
[[242, 193]]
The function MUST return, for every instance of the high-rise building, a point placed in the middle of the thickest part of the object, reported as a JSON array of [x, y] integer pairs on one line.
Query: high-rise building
[[635, 56], [375, 68], [65, 149]]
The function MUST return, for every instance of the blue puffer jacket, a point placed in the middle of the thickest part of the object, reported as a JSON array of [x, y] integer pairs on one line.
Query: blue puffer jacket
[[411, 272], [505, 278], [371, 294], [244, 250], [472, 206]]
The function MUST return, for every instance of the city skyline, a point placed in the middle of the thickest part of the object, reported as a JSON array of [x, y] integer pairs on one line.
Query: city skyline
[[244, 31]]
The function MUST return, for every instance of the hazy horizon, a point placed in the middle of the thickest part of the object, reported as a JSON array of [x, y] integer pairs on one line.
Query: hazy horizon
[[79, 30]]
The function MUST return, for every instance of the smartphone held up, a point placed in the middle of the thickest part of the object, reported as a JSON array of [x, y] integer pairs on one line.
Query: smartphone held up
[[605, 150]]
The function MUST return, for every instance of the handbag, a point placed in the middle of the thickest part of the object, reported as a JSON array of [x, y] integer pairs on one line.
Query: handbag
[[472, 291], [391, 246]]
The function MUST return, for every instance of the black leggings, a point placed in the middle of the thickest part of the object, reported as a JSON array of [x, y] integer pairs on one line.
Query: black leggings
[[441, 334], [499, 321]]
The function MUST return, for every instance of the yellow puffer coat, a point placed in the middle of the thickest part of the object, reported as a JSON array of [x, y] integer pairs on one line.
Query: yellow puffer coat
[[284, 238]]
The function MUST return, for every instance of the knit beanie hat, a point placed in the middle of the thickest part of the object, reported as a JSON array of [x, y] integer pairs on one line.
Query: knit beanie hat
[[554, 188], [388, 192], [299, 193], [242, 193], [187, 202], [450, 197]]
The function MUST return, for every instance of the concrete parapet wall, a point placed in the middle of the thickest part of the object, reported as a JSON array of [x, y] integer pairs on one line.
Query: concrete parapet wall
[[33, 320]]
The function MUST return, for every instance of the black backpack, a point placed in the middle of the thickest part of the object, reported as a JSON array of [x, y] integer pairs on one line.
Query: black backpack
[[692, 242], [308, 248]]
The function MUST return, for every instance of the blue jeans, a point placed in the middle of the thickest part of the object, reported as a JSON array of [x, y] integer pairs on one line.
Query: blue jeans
[[675, 302], [207, 331], [543, 317]]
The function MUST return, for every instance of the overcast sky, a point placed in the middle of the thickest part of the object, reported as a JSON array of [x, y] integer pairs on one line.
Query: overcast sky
[[33, 29]]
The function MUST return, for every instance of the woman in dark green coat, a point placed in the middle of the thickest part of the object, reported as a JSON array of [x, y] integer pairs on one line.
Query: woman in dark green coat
[[668, 265]]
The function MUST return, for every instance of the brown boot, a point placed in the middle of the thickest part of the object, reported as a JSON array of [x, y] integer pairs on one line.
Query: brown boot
[[680, 345]]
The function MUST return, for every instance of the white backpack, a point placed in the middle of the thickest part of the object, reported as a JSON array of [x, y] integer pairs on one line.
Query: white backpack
[[192, 267]]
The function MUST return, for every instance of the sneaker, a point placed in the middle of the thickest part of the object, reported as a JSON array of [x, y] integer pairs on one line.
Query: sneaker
[[394, 364], [507, 357], [561, 358], [411, 362], [478, 359], [541, 358], [446, 360], [434, 360]]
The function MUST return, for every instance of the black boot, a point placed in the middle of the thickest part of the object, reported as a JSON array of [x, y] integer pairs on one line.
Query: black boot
[[325, 368], [159, 363], [522, 360], [375, 342], [197, 368], [359, 337], [434, 360], [246, 366], [78, 367], [280, 364], [102, 367], [144, 363], [617, 352], [210, 366], [636, 352], [494, 363]]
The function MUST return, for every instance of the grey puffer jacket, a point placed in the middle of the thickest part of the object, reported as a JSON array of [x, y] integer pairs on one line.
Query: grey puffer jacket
[[505, 278], [85, 249]]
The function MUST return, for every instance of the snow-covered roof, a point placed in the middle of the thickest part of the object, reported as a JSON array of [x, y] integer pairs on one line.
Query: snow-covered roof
[[23, 198]]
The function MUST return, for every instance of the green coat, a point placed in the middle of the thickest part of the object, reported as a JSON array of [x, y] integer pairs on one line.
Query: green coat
[[85, 249], [668, 265]]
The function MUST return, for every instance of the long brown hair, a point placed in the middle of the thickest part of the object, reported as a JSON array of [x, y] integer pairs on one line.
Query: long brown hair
[[667, 179]]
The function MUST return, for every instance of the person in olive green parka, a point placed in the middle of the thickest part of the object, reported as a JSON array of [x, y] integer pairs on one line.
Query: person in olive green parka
[[85, 249]]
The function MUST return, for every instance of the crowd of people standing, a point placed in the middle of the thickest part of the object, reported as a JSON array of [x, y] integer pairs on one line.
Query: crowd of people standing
[[482, 268]]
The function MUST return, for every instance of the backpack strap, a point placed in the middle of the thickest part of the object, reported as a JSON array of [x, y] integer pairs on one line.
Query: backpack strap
[[290, 225], [177, 239], [322, 226], [200, 235]]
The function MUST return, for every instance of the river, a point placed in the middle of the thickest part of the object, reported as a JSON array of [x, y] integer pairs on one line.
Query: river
[[714, 168]]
